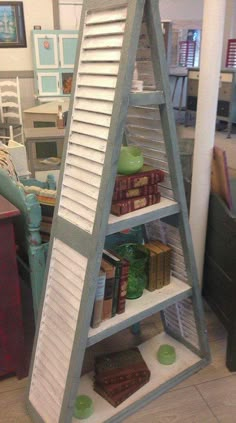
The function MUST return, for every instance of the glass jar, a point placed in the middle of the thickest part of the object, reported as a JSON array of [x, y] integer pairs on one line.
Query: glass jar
[[138, 260]]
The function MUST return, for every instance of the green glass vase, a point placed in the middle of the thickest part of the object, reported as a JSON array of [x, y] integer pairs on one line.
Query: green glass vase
[[83, 407], [138, 259], [130, 160]]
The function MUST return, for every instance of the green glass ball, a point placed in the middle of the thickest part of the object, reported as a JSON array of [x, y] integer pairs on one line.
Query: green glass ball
[[83, 407], [166, 354]]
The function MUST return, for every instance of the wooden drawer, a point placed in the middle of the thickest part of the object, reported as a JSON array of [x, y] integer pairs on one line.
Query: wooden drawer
[[192, 103], [192, 87], [225, 91], [193, 75], [226, 77], [223, 108]]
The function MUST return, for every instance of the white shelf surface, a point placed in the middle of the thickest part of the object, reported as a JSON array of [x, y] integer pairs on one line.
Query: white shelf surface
[[136, 310], [165, 208], [160, 374], [146, 98]]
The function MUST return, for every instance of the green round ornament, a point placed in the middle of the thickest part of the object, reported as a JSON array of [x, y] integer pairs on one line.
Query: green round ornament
[[166, 354], [83, 407]]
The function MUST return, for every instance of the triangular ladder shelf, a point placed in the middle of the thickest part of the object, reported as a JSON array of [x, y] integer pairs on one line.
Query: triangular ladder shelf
[[101, 108]]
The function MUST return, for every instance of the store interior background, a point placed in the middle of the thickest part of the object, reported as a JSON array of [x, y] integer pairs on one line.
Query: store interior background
[[210, 395]]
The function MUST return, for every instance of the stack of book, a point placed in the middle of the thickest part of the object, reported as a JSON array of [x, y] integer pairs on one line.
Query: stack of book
[[133, 192], [118, 375], [159, 264], [110, 297], [46, 223]]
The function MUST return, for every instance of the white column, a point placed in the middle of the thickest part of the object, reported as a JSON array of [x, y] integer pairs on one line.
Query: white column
[[210, 65]]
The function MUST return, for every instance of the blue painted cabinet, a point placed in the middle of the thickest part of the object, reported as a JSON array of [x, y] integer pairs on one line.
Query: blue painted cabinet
[[54, 56]]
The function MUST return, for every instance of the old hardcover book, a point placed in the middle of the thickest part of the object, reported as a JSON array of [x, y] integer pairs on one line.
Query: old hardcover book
[[115, 261], [45, 227], [167, 260], [98, 302], [146, 176], [159, 263], [135, 192], [120, 366], [110, 270], [152, 268], [116, 388], [126, 206], [123, 286], [116, 399]]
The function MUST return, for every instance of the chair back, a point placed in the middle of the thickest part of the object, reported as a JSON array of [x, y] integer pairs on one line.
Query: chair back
[[10, 102], [10, 107]]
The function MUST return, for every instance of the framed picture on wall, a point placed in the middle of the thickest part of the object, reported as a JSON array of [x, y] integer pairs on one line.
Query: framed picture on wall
[[12, 25]]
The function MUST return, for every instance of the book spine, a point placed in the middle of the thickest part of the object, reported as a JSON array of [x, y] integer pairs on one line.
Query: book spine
[[122, 377], [123, 287], [126, 206], [167, 260], [108, 296], [135, 192], [116, 262], [152, 272], [138, 180], [160, 270], [118, 398], [152, 267], [98, 303], [116, 388], [116, 292]]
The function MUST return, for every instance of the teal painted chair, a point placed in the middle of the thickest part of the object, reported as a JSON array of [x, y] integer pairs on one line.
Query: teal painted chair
[[31, 252]]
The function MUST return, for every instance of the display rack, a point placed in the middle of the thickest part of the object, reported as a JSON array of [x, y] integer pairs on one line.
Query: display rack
[[113, 35]]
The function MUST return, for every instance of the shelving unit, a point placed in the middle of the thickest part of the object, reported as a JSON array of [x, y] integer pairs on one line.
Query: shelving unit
[[226, 106], [113, 36]]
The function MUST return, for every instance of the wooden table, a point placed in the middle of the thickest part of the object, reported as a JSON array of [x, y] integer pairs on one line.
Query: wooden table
[[11, 326], [46, 136], [44, 115]]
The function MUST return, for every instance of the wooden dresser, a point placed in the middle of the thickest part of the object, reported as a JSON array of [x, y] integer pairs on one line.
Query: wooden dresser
[[226, 107], [11, 326]]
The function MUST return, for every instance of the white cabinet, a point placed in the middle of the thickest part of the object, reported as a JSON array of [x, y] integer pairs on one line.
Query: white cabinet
[[54, 58]]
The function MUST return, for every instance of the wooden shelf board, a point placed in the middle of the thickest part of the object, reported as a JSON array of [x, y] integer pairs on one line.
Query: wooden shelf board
[[160, 374], [146, 98], [136, 310], [165, 208], [38, 166]]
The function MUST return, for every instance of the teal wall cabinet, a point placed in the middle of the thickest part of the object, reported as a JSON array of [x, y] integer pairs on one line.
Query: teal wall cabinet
[[54, 58]]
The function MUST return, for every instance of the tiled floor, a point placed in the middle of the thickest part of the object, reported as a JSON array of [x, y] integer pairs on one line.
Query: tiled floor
[[209, 396]]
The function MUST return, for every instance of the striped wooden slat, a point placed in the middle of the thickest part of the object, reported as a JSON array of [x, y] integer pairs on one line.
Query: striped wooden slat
[[88, 141], [57, 330], [80, 162], [103, 42], [104, 29], [9, 94], [179, 318], [98, 81], [101, 55], [89, 132], [99, 68], [92, 117], [118, 14], [94, 105], [95, 93], [83, 188]]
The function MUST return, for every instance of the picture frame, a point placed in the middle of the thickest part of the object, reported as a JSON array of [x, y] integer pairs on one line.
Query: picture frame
[[12, 25]]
